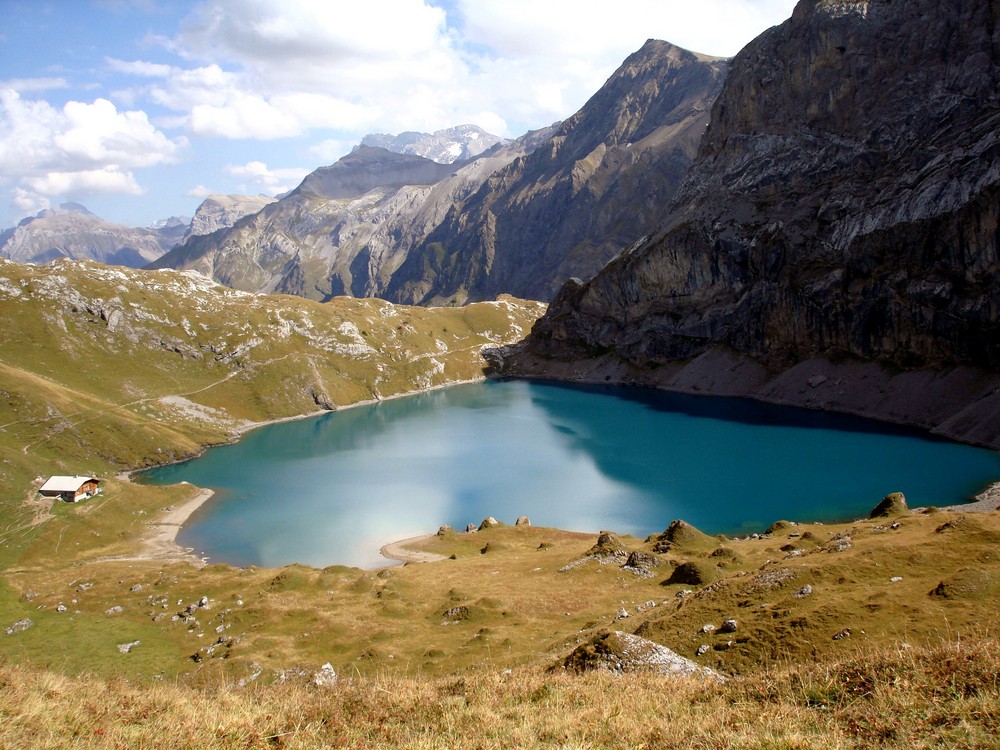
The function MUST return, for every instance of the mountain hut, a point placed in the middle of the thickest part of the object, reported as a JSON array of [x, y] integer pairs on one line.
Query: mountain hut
[[71, 489]]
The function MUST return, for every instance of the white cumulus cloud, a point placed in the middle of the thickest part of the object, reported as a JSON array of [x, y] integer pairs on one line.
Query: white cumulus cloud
[[77, 149], [257, 177]]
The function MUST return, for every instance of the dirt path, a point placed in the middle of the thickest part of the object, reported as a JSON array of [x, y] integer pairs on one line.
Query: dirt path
[[400, 551]]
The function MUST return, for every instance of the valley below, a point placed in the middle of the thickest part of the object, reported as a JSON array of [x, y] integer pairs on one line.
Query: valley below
[[95, 591]]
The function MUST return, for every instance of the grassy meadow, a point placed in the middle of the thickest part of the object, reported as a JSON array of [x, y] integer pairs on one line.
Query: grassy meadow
[[876, 633]]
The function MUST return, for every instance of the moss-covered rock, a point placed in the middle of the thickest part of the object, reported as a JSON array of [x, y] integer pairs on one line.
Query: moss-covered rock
[[693, 573], [893, 504], [608, 545], [679, 535]]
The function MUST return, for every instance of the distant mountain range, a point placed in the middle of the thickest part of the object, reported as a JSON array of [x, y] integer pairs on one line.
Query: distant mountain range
[[71, 231], [518, 218]]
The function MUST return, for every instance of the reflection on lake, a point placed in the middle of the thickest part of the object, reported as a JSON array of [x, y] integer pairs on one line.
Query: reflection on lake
[[333, 489]]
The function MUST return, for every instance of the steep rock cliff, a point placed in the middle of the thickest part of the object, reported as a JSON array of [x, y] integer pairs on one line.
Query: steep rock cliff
[[603, 180], [843, 211]]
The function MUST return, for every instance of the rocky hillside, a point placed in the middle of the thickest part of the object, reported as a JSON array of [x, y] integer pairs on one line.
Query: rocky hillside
[[71, 231], [835, 244], [519, 218], [602, 182]]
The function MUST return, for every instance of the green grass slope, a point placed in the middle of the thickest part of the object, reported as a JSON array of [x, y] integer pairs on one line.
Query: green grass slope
[[874, 633]]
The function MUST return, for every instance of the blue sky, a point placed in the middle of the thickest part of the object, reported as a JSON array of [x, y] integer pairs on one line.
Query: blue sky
[[140, 108]]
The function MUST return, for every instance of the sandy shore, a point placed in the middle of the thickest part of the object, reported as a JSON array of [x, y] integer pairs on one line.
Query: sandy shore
[[161, 541], [399, 551], [986, 501]]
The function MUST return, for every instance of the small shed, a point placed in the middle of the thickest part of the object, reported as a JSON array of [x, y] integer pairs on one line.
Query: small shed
[[71, 489]]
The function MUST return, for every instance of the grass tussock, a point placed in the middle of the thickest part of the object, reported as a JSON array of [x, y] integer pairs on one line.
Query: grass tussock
[[912, 697]]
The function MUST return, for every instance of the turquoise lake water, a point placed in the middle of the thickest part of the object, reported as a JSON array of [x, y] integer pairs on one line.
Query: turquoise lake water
[[333, 489]]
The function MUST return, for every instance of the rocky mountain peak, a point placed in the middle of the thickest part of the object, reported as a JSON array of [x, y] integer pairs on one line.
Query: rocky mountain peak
[[447, 146], [221, 211], [369, 167]]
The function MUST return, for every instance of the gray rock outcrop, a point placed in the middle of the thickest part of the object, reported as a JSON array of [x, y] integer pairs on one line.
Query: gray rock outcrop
[[624, 653]]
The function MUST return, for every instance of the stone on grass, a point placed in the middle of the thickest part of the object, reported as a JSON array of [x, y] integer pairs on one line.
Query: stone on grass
[[20, 626], [624, 653], [522, 521], [325, 677], [642, 560]]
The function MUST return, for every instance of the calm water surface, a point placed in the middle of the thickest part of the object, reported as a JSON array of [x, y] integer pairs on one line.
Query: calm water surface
[[333, 489]]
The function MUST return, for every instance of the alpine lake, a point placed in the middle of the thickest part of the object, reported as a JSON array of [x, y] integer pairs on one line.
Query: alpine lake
[[333, 489]]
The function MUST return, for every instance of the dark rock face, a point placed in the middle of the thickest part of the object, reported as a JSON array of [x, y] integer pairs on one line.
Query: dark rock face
[[844, 207], [601, 182]]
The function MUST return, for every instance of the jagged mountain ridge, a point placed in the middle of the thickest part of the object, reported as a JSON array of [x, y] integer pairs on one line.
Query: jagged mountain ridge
[[520, 217], [840, 224], [221, 211], [72, 231], [447, 146], [601, 182], [345, 229]]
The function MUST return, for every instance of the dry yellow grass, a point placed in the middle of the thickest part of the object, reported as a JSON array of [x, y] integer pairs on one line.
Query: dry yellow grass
[[918, 697]]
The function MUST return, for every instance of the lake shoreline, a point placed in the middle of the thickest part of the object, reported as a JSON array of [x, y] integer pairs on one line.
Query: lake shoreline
[[398, 550], [162, 544]]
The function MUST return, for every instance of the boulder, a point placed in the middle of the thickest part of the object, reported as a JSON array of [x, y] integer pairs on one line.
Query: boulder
[[642, 560], [625, 653], [893, 504], [522, 521], [488, 523]]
